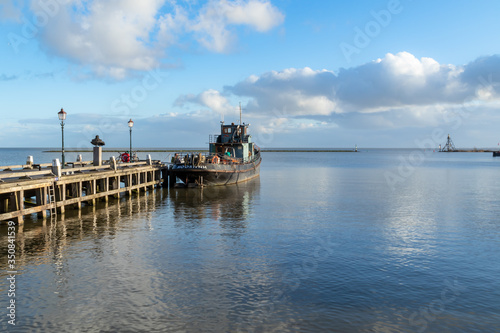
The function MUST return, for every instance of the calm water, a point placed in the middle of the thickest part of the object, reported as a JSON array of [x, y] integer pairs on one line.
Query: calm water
[[377, 241]]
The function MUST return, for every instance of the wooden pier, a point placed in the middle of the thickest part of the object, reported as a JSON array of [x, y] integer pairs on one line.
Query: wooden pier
[[49, 189]]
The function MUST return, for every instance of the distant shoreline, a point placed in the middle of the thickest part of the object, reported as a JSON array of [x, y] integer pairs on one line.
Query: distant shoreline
[[188, 150], [264, 150]]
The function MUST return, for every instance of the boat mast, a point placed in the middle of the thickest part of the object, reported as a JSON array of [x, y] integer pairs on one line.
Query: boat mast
[[240, 113]]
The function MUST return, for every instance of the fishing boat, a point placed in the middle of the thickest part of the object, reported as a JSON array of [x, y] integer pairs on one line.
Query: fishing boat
[[232, 158], [496, 153]]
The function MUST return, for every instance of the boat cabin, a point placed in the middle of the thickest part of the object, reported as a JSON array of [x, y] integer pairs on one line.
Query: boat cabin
[[233, 141]]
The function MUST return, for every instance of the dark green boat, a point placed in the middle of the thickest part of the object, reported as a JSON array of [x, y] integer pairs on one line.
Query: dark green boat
[[233, 158]]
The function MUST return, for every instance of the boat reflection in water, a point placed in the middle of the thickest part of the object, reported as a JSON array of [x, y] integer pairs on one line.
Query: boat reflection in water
[[229, 205]]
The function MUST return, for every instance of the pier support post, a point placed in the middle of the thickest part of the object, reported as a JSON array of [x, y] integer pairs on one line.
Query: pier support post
[[172, 179], [164, 177], [104, 187], [151, 178], [41, 200], [128, 183], [80, 194], [93, 189], [12, 205], [5, 205], [62, 197], [20, 206], [116, 185]]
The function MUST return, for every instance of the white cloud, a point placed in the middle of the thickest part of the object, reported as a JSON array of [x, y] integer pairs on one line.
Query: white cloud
[[110, 36], [292, 91], [261, 15], [211, 99], [212, 24], [396, 81], [397, 91], [114, 37]]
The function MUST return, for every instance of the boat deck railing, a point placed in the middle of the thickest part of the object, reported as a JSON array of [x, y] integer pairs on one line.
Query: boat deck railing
[[196, 159]]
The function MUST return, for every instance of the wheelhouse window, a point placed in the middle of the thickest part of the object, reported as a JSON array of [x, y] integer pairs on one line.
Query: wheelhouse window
[[227, 130]]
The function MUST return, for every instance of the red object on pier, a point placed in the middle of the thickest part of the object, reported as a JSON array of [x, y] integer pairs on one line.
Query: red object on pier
[[125, 157]]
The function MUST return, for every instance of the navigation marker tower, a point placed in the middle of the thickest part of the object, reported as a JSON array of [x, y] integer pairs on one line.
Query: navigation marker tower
[[449, 146]]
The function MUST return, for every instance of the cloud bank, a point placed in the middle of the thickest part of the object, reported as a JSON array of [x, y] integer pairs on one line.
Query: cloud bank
[[395, 82], [397, 91], [115, 37]]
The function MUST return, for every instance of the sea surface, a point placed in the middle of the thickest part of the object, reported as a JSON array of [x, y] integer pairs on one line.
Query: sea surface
[[381, 240]]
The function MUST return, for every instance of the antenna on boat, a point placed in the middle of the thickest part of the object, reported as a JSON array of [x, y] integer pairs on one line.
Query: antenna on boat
[[240, 113]]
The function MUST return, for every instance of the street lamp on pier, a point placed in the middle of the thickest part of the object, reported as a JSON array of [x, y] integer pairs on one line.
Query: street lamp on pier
[[130, 125], [62, 117]]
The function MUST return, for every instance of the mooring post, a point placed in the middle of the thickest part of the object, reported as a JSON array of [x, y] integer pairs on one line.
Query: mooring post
[[56, 168], [112, 162], [29, 162]]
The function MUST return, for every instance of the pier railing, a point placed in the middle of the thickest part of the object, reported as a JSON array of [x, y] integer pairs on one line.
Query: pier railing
[[45, 169]]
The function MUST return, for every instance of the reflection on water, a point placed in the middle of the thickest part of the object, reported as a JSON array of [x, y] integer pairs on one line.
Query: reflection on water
[[42, 241], [323, 244], [228, 205], [114, 258]]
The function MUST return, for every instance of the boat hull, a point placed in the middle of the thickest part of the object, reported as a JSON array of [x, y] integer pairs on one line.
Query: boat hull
[[216, 174]]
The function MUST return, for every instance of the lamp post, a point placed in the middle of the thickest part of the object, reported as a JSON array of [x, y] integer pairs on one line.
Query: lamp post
[[130, 125], [62, 117]]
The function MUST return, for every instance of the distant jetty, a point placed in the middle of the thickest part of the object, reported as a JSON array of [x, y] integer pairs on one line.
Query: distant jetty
[[449, 147], [471, 150]]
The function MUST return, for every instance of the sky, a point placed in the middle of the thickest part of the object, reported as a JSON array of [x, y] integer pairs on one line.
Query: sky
[[322, 74]]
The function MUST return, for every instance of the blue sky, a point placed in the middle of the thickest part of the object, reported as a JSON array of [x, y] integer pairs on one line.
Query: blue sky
[[308, 73]]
